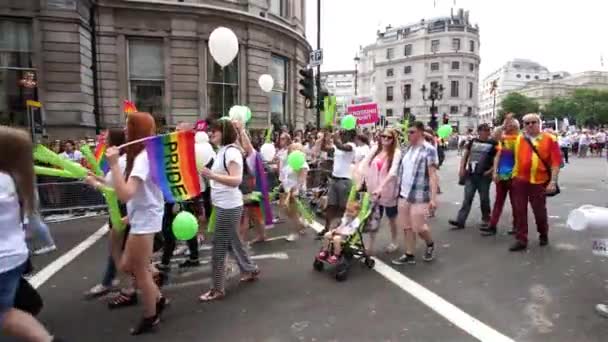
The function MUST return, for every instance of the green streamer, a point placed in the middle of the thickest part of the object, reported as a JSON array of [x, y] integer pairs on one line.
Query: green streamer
[[211, 224], [45, 155], [88, 155], [47, 171]]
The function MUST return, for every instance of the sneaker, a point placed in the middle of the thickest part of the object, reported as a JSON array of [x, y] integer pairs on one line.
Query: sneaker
[[511, 232], [323, 255], [96, 291], [190, 263], [456, 225], [163, 268], [332, 260], [45, 250], [429, 253], [518, 246], [292, 237], [404, 259], [391, 248], [488, 231], [180, 250], [602, 310], [543, 241]]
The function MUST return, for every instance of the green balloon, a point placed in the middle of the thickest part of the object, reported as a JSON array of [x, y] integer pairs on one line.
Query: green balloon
[[348, 122], [444, 131], [296, 160], [185, 226], [247, 114]]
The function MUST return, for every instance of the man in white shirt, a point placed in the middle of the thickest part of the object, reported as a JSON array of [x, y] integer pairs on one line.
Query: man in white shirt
[[70, 153], [564, 145], [601, 141], [340, 180]]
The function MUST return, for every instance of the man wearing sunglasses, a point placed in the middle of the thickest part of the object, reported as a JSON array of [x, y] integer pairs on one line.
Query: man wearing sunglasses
[[537, 163]]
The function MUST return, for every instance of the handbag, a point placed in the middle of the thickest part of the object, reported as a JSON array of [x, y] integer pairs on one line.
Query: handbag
[[548, 167]]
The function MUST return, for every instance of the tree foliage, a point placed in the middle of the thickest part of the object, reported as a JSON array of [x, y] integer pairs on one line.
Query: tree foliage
[[588, 107], [517, 104]]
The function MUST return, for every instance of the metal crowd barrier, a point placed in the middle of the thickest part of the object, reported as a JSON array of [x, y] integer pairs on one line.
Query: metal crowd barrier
[[69, 197]]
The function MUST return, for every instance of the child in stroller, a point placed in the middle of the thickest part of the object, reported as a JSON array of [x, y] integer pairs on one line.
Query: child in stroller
[[335, 237]]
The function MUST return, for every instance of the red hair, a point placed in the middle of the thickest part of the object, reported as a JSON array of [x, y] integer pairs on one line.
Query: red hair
[[139, 125]]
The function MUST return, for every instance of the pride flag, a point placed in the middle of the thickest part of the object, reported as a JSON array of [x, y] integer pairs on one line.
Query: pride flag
[[129, 107], [173, 165], [100, 153], [261, 183]]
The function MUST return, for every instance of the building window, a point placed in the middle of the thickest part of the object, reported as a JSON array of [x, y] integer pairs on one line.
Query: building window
[[15, 66], [389, 113], [389, 72], [407, 91], [147, 77], [407, 69], [278, 7], [455, 65], [453, 109], [278, 103], [469, 111], [389, 93], [518, 75], [536, 77], [407, 111], [407, 51], [456, 44], [454, 89], [222, 87], [471, 67], [470, 90], [472, 46], [435, 45], [390, 52], [435, 66]]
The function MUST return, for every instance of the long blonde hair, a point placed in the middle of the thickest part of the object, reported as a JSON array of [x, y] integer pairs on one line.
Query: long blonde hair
[[17, 161]]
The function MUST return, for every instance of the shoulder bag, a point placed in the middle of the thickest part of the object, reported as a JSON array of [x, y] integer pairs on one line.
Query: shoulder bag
[[548, 167]]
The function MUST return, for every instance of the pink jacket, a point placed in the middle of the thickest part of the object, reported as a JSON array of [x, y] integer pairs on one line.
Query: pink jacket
[[374, 177]]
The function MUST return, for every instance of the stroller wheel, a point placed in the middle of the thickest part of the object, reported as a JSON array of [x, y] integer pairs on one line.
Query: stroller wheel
[[370, 263], [318, 265]]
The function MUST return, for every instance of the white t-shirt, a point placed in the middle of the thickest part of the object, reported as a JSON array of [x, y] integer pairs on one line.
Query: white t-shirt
[[224, 196], [583, 140], [75, 156], [13, 250], [122, 164], [601, 137], [361, 152], [348, 228], [291, 177], [282, 157], [146, 207], [343, 161]]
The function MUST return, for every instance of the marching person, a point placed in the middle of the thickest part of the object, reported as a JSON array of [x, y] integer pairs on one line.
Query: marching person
[[225, 177], [417, 177], [537, 164], [16, 201]]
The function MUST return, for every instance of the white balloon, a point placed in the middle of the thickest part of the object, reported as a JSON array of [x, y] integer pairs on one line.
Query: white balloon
[[203, 153], [223, 46], [237, 113], [268, 152], [266, 82], [201, 137]]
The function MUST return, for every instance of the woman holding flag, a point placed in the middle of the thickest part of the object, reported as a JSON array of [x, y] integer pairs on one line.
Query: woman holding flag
[[145, 206], [225, 177]]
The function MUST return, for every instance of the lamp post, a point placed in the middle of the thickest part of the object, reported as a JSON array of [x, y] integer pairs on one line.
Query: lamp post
[[357, 59], [435, 92]]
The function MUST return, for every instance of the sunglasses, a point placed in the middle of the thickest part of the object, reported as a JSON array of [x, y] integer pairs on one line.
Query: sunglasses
[[385, 136], [527, 123]]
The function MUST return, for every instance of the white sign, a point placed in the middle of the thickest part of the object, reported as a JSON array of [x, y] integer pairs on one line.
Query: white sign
[[600, 247], [316, 58]]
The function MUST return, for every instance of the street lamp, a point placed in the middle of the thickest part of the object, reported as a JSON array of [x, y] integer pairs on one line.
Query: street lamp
[[357, 59], [435, 93]]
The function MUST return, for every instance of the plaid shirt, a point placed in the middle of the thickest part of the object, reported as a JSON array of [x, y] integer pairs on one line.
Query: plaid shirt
[[419, 188]]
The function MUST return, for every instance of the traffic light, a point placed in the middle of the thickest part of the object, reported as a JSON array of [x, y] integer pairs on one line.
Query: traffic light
[[308, 87], [323, 93], [446, 119], [433, 123]]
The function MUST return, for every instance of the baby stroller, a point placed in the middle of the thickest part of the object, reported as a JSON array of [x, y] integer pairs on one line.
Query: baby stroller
[[353, 248]]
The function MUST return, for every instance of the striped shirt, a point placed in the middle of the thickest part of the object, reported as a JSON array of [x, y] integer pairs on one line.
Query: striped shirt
[[528, 166]]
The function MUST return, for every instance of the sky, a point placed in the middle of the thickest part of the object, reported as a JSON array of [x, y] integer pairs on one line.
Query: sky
[[563, 35]]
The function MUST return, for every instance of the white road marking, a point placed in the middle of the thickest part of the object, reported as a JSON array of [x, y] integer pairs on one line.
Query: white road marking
[[41, 277], [461, 319], [279, 256]]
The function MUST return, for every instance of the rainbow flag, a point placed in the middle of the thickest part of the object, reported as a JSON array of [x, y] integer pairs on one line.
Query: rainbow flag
[[173, 165], [129, 107], [261, 183], [100, 153]]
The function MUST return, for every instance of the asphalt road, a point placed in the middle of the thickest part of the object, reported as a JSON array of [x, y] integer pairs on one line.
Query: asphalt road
[[544, 294]]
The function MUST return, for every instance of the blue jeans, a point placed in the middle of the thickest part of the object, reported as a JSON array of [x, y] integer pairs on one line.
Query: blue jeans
[[40, 230], [110, 273], [9, 281]]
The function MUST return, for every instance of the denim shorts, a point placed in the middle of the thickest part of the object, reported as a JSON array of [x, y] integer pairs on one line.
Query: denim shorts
[[391, 212], [9, 282]]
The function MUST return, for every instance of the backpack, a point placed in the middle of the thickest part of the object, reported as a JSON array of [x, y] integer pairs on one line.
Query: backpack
[[247, 185]]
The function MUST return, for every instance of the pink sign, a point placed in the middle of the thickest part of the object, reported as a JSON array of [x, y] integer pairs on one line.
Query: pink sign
[[200, 125], [366, 113]]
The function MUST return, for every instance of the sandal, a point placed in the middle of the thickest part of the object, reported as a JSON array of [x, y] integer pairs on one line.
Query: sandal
[[211, 295], [123, 300], [146, 325], [251, 277]]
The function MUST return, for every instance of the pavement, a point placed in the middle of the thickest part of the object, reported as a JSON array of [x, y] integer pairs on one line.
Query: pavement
[[474, 290]]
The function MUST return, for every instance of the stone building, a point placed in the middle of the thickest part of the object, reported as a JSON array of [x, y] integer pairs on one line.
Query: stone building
[[442, 51], [87, 56], [341, 84]]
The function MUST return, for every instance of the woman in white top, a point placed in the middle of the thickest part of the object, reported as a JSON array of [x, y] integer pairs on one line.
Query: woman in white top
[[292, 182], [145, 206], [225, 176], [16, 201]]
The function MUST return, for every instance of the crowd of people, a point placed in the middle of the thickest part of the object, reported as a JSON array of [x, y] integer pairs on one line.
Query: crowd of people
[[397, 168]]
